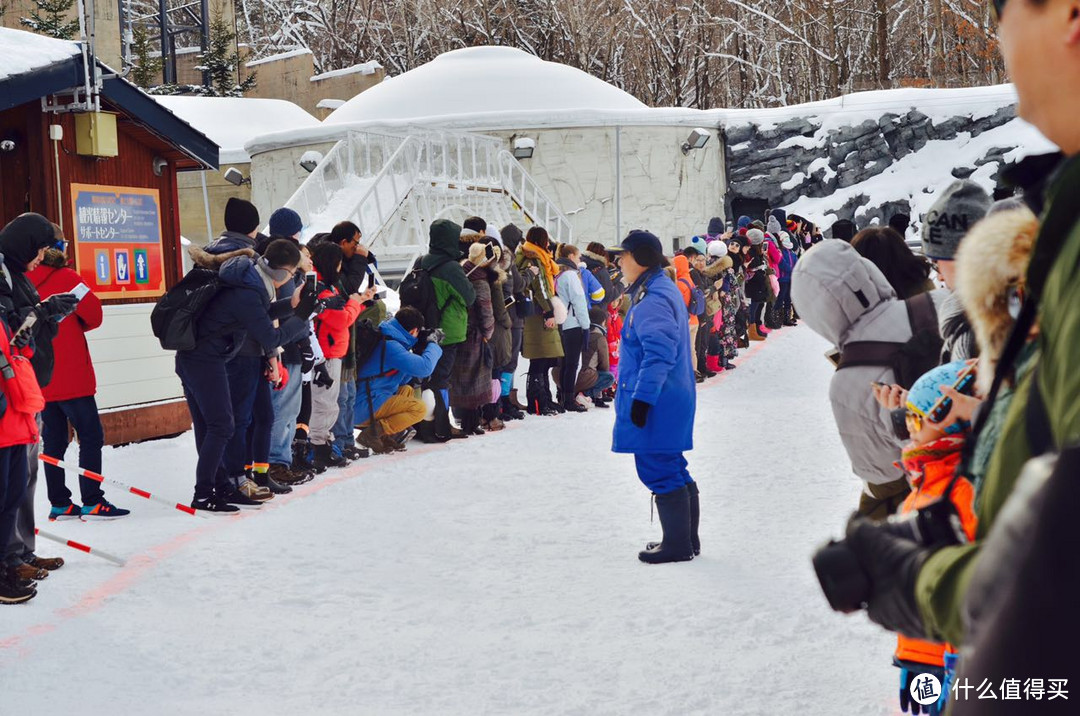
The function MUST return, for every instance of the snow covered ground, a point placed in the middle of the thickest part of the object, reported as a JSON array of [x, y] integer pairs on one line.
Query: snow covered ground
[[497, 575]]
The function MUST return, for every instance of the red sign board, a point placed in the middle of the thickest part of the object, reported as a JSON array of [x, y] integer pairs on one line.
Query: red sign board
[[117, 240]]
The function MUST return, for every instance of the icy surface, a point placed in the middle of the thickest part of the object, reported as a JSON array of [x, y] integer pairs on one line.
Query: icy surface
[[232, 121], [497, 575], [22, 52]]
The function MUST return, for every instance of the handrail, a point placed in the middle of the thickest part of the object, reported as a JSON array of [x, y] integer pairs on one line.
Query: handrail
[[519, 185]]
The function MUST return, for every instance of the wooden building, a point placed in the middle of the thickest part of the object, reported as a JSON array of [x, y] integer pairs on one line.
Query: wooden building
[[93, 153]]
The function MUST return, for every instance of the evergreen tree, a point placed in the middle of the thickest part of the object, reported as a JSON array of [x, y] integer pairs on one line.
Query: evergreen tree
[[220, 62], [50, 17], [146, 68]]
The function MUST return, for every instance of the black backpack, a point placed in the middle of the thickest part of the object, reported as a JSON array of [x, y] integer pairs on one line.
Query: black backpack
[[908, 360], [368, 339], [418, 291], [176, 313]]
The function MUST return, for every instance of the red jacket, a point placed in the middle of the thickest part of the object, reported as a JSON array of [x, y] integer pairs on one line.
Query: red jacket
[[73, 376], [332, 325], [16, 428]]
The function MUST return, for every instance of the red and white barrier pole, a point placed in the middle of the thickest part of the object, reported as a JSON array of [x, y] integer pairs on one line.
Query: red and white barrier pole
[[188, 509], [81, 547]]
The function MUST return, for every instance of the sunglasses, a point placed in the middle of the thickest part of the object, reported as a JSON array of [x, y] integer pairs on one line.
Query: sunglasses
[[914, 422], [996, 8]]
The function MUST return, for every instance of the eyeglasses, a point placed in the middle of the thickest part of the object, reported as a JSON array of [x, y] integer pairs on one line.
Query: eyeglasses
[[914, 422], [996, 8]]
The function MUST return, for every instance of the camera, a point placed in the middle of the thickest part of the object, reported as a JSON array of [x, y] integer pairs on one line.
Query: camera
[[842, 576]]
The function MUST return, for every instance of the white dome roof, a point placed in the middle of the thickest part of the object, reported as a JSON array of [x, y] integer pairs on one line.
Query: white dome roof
[[482, 80]]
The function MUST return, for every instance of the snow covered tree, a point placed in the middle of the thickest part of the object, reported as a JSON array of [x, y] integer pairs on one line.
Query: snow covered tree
[[146, 68], [220, 64], [52, 18]]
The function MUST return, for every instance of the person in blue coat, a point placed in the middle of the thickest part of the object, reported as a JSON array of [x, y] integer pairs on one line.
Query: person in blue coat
[[656, 398], [407, 352]]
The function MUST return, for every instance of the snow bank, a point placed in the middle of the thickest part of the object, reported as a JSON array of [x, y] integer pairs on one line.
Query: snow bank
[[24, 52], [364, 68], [299, 52], [232, 121]]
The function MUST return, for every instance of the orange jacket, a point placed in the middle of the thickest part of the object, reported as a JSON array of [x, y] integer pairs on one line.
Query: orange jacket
[[685, 283], [17, 428], [929, 480]]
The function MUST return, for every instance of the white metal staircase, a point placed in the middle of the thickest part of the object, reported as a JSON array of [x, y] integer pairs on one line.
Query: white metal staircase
[[394, 186]]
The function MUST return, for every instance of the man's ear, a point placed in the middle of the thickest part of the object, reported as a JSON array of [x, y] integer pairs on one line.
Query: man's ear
[[1072, 35]]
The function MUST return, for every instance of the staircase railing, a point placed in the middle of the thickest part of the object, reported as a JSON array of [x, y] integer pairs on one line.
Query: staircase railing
[[531, 200]]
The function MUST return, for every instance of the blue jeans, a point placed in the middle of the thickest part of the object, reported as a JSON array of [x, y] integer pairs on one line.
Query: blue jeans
[[82, 413], [286, 404], [343, 428], [662, 472], [604, 380]]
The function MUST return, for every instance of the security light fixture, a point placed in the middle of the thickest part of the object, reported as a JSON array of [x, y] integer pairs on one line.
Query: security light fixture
[[310, 160], [235, 177], [7, 146], [524, 148], [697, 139], [159, 165]]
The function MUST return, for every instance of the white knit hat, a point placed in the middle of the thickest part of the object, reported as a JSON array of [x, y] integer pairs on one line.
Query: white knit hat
[[717, 249]]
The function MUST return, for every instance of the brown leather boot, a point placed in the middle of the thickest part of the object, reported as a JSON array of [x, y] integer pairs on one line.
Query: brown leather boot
[[515, 402], [754, 334]]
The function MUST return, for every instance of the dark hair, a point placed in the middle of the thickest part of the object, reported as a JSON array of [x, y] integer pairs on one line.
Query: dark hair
[[475, 223], [538, 236], [282, 253], [595, 247], [885, 248], [409, 318], [899, 222], [326, 260], [343, 231], [567, 250]]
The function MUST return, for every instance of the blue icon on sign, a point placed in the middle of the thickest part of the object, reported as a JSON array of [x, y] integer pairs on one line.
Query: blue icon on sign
[[142, 267], [123, 267], [101, 267]]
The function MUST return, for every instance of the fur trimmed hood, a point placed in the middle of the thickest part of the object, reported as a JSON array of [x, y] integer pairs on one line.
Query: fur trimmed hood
[[54, 258], [596, 257], [992, 261], [204, 259]]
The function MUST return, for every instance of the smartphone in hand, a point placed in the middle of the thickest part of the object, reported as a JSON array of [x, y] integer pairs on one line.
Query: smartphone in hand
[[80, 291], [311, 279]]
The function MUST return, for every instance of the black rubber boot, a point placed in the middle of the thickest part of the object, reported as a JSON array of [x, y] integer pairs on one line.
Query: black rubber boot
[[537, 394], [508, 411], [674, 511], [695, 517], [436, 430]]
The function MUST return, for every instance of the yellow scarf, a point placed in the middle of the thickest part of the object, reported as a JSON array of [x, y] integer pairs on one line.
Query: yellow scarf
[[550, 268]]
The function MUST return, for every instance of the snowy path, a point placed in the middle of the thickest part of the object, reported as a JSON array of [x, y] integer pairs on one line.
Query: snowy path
[[442, 582]]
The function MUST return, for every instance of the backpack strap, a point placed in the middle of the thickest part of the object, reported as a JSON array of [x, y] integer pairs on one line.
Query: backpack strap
[[922, 314], [868, 353]]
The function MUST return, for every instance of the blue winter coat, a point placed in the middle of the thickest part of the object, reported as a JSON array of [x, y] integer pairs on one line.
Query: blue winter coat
[[391, 370], [242, 308], [787, 264], [655, 366]]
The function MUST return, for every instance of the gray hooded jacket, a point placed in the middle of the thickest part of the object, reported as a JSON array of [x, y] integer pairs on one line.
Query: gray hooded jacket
[[845, 298]]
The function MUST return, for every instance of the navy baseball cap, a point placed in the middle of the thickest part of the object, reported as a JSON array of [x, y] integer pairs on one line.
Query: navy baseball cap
[[638, 239]]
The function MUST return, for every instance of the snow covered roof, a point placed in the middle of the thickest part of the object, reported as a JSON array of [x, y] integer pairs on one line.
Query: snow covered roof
[[232, 121], [364, 68], [463, 82], [300, 52], [27, 51]]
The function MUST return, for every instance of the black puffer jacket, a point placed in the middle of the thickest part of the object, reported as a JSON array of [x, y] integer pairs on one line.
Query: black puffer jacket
[[20, 242]]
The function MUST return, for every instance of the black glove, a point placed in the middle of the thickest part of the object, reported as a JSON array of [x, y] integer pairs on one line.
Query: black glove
[[436, 335], [322, 377], [639, 413], [334, 303], [909, 672], [57, 308], [892, 563], [306, 307]]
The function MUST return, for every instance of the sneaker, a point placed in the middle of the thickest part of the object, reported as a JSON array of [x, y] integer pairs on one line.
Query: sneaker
[[236, 498], [263, 479], [582, 400], [103, 511], [284, 475], [214, 504], [404, 436], [600, 403], [252, 491], [355, 453], [14, 590], [68, 512]]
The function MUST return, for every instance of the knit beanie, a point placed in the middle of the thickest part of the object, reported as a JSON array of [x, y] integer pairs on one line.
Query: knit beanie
[[698, 245], [780, 215], [241, 216], [285, 222], [950, 218], [25, 236], [744, 221], [716, 226], [773, 226], [756, 237], [757, 224], [511, 236], [718, 249]]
